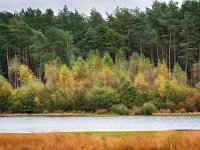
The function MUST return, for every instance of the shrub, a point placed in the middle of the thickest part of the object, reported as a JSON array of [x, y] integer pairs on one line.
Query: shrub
[[197, 85], [141, 98], [101, 98], [101, 111], [127, 92], [5, 92], [63, 100], [198, 104], [171, 105], [137, 110], [120, 109], [79, 96], [58, 111], [165, 111], [191, 96], [45, 111], [22, 100], [148, 109], [182, 110]]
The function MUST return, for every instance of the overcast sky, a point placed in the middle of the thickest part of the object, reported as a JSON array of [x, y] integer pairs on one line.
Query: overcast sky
[[83, 6]]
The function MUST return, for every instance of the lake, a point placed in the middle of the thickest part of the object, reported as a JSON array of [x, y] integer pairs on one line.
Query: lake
[[78, 124]]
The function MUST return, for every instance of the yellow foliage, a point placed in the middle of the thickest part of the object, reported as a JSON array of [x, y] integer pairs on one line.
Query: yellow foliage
[[51, 73], [163, 70], [177, 86], [38, 86], [97, 65], [6, 88], [160, 84], [26, 75], [140, 81], [65, 77], [108, 75], [80, 69], [37, 102]]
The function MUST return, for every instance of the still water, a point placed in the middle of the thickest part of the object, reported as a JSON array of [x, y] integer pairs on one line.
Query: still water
[[76, 124]]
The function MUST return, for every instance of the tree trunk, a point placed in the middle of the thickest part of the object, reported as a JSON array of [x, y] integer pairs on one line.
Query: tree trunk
[[162, 52], [152, 57], [157, 53], [186, 57], [7, 60], [166, 55], [170, 39], [169, 55], [15, 79], [174, 50], [26, 53], [67, 52], [199, 50], [141, 47]]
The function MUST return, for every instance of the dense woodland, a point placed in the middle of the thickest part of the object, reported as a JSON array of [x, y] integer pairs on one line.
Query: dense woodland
[[72, 62]]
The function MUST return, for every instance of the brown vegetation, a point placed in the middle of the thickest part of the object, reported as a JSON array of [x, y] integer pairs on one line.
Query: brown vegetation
[[181, 140]]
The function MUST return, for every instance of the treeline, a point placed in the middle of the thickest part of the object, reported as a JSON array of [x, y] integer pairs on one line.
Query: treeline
[[99, 85], [70, 61]]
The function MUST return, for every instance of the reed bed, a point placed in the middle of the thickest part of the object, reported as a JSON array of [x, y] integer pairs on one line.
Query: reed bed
[[179, 140]]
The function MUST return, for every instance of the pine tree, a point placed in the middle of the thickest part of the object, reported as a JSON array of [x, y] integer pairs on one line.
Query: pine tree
[[188, 43]]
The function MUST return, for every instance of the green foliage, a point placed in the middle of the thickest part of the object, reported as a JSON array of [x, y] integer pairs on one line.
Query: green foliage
[[81, 102], [179, 75], [148, 109], [80, 69], [69, 61], [114, 41], [102, 98], [22, 100], [170, 105], [107, 60], [196, 73], [141, 98], [120, 110], [127, 92], [5, 92], [197, 85], [198, 104], [63, 101]]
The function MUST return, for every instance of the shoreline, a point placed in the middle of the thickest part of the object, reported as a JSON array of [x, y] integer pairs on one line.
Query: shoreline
[[91, 115]]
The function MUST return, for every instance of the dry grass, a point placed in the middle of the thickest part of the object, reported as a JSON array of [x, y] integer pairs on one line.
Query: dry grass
[[67, 114], [182, 140], [64, 114], [177, 114]]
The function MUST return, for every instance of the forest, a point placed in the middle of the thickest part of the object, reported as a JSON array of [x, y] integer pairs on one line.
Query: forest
[[132, 61]]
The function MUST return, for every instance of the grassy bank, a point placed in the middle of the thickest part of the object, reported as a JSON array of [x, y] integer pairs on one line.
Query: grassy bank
[[102, 140], [58, 115], [94, 114], [178, 114]]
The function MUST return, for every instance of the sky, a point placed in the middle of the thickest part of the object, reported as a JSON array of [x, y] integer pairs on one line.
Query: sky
[[83, 6]]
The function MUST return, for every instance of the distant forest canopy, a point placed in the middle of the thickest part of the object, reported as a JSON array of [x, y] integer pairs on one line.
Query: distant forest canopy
[[131, 61], [163, 31]]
